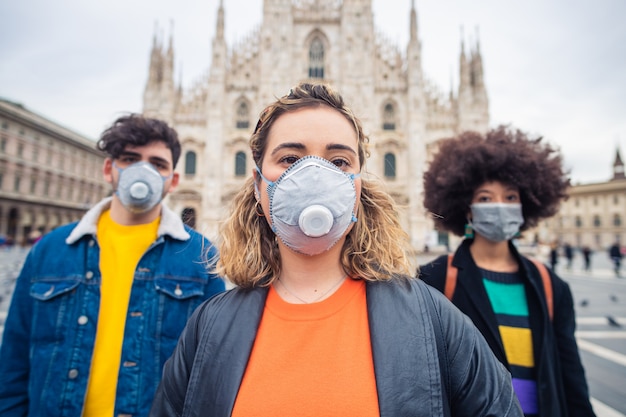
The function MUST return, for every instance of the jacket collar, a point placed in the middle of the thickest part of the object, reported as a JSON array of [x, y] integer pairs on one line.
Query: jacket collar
[[170, 225], [463, 258]]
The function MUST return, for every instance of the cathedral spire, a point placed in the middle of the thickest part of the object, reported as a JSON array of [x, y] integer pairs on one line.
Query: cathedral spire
[[414, 52], [154, 36], [155, 69], [413, 28], [451, 94], [180, 80], [168, 65], [618, 167], [158, 97], [477, 42], [169, 55], [464, 70], [219, 31], [170, 47], [476, 64], [219, 49], [472, 102]]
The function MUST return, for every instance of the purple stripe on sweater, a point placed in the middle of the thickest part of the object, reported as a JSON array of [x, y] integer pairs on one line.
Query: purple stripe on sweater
[[526, 391]]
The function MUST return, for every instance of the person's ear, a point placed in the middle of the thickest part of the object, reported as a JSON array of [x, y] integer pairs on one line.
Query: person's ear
[[174, 182], [255, 178], [107, 170]]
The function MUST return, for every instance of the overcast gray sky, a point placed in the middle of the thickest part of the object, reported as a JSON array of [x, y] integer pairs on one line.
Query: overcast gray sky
[[552, 67]]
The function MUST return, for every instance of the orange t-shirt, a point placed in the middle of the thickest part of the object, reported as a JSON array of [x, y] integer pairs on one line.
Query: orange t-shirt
[[311, 359]]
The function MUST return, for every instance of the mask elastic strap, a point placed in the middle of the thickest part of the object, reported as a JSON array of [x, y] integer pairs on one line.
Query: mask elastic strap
[[270, 183], [119, 170]]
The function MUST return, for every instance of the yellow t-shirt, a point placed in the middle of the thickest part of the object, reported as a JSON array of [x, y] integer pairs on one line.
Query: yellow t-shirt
[[121, 247], [311, 360]]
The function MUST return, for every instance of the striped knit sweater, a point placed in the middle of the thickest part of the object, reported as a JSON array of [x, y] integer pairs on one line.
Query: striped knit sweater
[[508, 299]]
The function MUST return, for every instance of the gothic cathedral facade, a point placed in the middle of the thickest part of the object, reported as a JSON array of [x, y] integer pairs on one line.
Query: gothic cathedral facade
[[330, 41]]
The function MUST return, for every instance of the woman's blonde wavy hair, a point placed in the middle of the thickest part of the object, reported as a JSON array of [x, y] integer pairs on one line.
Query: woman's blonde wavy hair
[[376, 247]]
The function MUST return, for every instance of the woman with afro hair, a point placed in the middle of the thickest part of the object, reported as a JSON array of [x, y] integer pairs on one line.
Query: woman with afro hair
[[489, 187]]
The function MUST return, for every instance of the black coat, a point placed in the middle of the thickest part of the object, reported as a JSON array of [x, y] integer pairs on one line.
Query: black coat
[[615, 252], [562, 386]]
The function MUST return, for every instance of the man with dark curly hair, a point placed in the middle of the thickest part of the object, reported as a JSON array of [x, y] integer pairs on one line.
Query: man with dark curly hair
[[489, 188], [99, 304]]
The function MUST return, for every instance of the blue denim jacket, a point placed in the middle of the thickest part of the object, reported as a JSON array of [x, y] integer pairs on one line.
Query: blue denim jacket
[[50, 330]]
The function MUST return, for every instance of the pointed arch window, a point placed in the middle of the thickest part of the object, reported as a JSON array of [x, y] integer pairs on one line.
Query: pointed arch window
[[190, 163], [390, 166], [240, 164], [243, 115], [389, 117], [316, 59]]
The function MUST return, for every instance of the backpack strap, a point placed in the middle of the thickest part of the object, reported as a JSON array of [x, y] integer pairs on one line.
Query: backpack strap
[[451, 278], [547, 285], [451, 273]]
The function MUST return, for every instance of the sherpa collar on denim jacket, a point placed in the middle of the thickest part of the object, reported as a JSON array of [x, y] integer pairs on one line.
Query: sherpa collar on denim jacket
[[170, 225]]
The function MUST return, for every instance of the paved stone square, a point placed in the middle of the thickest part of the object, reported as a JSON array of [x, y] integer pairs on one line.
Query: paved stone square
[[11, 260]]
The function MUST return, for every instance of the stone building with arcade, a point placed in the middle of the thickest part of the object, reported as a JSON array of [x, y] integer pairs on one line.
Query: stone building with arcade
[[49, 175]]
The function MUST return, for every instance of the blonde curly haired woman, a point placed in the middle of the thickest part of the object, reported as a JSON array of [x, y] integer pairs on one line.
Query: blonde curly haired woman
[[324, 320]]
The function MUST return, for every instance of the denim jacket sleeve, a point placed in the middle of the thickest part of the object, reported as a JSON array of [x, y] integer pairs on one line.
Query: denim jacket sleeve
[[14, 357]]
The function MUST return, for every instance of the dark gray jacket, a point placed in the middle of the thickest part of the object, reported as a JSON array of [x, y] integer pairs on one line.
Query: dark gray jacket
[[424, 351]]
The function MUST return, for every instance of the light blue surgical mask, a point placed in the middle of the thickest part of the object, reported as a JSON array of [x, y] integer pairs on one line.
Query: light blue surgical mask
[[497, 221], [140, 186], [311, 204]]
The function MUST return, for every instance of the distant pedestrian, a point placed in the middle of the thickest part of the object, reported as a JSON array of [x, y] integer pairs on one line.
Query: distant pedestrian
[[569, 254], [587, 257], [615, 254], [554, 255], [34, 237]]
